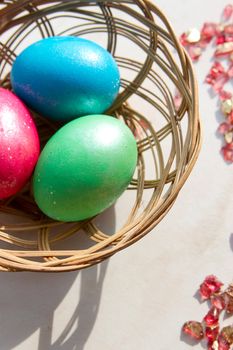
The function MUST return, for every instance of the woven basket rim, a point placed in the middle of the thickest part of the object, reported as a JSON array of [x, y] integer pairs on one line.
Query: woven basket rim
[[155, 30]]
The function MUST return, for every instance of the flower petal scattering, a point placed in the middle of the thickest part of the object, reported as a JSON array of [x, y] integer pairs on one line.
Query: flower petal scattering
[[220, 302], [220, 36]]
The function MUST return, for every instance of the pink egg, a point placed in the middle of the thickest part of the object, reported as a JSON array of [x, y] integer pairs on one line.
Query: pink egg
[[19, 144]]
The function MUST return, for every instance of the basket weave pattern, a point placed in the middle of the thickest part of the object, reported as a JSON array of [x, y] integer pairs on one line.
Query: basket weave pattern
[[168, 139]]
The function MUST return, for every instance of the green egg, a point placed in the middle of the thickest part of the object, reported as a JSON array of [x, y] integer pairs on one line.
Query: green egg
[[84, 168]]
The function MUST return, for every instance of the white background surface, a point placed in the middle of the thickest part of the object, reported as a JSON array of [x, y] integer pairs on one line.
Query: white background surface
[[139, 299]]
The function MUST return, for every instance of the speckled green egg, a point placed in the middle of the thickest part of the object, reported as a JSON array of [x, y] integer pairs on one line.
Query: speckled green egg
[[84, 168]]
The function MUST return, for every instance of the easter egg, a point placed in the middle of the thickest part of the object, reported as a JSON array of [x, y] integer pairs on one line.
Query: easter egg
[[84, 168], [63, 78], [19, 144]]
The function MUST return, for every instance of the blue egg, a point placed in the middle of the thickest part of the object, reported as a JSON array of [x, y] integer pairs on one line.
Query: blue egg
[[63, 78]]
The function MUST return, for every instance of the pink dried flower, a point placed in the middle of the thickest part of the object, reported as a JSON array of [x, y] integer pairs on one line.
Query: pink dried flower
[[210, 286]]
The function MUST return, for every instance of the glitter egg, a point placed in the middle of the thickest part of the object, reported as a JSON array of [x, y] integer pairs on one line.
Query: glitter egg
[[19, 142], [63, 78], [84, 168]]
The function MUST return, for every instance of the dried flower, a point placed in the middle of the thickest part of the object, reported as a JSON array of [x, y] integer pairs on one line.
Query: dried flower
[[210, 286], [193, 329], [196, 41], [209, 329]]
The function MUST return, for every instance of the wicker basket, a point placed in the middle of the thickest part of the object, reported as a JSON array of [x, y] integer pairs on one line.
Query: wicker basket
[[168, 137]]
